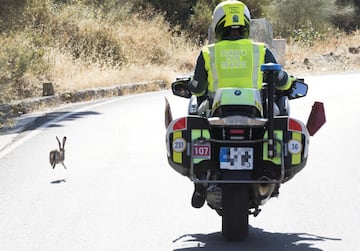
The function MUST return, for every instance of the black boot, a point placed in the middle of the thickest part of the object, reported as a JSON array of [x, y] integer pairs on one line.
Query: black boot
[[199, 195], [275, 193]]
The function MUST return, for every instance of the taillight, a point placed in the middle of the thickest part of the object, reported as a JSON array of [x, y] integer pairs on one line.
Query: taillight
[[237, 131], [237, 134], [294, 125], [180, 124]]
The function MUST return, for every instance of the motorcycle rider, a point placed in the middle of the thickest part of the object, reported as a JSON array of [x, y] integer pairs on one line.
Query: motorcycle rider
[[232, 61]]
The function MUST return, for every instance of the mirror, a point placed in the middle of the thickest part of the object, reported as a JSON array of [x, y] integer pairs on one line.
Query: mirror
[[298, 90], [180, 88]]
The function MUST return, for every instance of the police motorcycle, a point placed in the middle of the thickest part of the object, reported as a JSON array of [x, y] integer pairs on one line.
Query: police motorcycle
[[240, 148]]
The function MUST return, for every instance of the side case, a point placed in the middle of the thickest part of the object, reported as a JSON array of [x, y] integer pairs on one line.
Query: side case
[[295, 142], [179, 136]]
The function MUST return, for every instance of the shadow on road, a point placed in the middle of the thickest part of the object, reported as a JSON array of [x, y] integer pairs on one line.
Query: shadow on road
[[53, 115], [58, 181], [31, 122], [50, 116], [258, 240]]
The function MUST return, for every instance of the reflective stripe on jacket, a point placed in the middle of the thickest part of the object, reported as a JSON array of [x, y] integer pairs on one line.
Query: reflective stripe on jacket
[[234, 64]]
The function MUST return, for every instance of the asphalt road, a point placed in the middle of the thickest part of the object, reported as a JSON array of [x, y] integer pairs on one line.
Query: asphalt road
[[118, 192]]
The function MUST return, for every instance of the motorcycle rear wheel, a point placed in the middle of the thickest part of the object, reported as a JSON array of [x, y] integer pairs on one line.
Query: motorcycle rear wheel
[[235, 211]]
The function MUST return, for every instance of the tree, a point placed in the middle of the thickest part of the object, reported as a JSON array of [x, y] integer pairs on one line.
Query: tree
[[288, 16], [9, 10], [347, 19], [176, 12]]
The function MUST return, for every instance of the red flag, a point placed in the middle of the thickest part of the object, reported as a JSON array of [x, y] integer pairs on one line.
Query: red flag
[[316, 119]]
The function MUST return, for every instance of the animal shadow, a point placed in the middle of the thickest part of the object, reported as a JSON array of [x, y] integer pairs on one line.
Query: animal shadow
[[58, 181]]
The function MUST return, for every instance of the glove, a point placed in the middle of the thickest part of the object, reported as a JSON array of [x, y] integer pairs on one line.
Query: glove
[[282, 81]]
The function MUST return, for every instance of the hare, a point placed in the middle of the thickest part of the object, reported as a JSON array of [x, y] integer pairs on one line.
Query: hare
[[58, 156]]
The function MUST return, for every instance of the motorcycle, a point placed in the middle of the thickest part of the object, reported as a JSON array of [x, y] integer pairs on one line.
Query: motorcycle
[[241, 146]]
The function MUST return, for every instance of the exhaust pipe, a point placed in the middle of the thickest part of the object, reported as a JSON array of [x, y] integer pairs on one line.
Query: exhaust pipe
[[263, 191]]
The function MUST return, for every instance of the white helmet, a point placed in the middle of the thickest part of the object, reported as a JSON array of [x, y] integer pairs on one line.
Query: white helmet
[[230, 14]]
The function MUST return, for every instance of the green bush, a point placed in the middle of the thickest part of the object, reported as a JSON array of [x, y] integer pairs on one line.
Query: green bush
[[200, 20], [289, 15], [19, 58], [176, 12], [10, 14], [305, 20], [348, 18], [306, 35]]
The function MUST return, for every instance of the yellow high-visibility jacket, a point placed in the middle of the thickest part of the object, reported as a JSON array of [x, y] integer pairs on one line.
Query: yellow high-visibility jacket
[[232, 63]]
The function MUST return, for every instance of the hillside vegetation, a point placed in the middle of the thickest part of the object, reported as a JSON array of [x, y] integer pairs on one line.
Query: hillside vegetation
[[79, 44]]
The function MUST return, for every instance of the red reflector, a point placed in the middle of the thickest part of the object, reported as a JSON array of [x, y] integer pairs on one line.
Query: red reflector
[[293, 125], [180, 124], [237, 131]]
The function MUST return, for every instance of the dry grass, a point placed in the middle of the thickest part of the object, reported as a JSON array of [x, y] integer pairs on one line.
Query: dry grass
[[150, 58], [78, 48], [151, 53], [335, 53]]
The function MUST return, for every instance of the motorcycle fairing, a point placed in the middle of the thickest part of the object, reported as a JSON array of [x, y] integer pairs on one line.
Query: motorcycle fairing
[[244, 97]]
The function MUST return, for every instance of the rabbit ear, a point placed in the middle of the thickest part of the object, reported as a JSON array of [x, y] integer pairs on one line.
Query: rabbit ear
[[64, 140], [58, 141]]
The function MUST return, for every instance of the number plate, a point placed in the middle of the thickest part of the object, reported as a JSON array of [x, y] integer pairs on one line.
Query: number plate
[[236, 158], [202, 150]]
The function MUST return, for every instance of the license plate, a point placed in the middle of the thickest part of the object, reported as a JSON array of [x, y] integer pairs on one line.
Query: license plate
[[236, 158], [202, 150]]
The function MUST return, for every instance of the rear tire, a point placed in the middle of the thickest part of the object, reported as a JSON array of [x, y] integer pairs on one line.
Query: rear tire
[[235, 211]]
